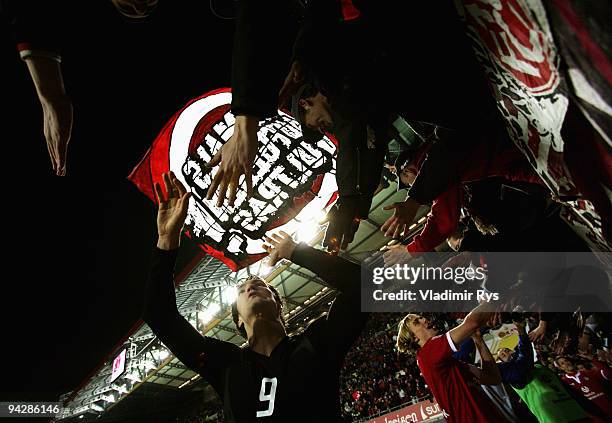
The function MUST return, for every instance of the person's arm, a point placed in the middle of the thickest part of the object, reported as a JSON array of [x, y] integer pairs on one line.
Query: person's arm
[[538, 333], [437, 173], [46, 73], [441, 223], [476, 318], [345, 320], [201, 354], [489, 371], [204, 355], [358, 171], [260, 56], [259, 60], [32, 25], [524, 349], [341, 274]]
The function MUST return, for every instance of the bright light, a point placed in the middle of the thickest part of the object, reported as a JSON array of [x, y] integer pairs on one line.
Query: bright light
[[229, 294], [307, 231], [206, 315], [133, 377], [149, 365], [81, 416], [120, 388], [161, 354], [321, 217], [264, 268]]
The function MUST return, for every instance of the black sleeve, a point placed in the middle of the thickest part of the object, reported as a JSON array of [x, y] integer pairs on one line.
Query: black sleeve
[[202, 354], [351, 136], [263, 37], [34, 25], [371, 164], [358, 168], [316, 36], [345, 320], [437, 173]]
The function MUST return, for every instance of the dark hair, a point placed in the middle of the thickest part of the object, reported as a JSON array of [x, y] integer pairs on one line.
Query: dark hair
[[277, 298]]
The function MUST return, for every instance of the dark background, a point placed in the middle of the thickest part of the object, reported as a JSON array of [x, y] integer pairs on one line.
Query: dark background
[[77, 247]]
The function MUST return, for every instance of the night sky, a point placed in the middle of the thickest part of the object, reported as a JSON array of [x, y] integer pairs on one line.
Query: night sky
[[77, 247]]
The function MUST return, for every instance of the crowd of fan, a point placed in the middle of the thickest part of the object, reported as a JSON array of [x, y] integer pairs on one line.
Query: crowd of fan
[[374, 378]]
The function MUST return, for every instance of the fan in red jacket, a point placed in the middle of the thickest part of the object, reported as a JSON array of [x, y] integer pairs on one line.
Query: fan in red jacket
[[486, 160]]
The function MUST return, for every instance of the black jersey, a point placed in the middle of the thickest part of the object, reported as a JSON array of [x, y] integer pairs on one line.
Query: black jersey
[[299, 381]]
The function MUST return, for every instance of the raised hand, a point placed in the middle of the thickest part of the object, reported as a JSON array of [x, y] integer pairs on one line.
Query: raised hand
[[403, 216], [172, 211], [343, 224], [538, 333], [56, 107], [280, 246], [396, 254], [57, 125], [236, 158]]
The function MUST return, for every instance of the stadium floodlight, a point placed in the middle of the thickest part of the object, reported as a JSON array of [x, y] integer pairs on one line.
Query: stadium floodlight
[[133, 377], [122, 389], [149, 365], [163, 354]]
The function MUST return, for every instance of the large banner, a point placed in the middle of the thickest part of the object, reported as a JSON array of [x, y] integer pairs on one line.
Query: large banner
[[419, 412], [292, 181], [514, 42]]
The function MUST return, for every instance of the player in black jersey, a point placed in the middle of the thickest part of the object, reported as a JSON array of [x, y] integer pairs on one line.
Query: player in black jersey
[[276, 377]]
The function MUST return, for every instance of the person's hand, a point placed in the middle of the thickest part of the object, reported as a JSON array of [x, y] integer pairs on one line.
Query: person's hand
[[343, 224], [396, 254], [538, 333], [292, 82], [172, 211], [403, 216], [46, 74], [57, 127], [236, 158], [280, 246], [604, 355], [463, 259], [477, 336]]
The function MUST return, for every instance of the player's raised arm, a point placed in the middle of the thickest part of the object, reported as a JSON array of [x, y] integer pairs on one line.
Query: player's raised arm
[[476, 318], [490, 374], [202, 354], [345, 320], [339, 273]]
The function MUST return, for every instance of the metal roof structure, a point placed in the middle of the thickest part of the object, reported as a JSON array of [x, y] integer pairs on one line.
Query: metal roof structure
[[204, 298]]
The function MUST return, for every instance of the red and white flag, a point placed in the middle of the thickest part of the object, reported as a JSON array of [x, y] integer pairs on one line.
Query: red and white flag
[[292, 182]]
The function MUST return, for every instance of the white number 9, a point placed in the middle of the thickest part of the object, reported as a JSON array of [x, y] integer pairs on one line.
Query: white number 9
[[267, 397]]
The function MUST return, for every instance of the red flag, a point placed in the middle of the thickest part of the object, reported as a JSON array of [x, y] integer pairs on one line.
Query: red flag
[[556, 117]]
